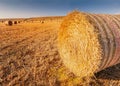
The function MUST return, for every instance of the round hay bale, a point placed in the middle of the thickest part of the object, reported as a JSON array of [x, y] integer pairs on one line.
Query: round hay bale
[[19, 21], [88, 43], [42, 22], [9, 23], [2, 21], [15, 22]]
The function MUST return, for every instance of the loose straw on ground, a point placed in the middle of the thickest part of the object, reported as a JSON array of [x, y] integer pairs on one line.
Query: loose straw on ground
[[89, 43]]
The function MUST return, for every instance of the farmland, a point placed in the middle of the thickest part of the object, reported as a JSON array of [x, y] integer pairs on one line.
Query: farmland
[[29, 57]]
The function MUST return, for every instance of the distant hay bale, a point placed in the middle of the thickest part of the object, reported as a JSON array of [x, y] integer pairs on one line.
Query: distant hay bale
[[89, 43], [42, 21], [9, 23], [18, 21], [15, 22], [2, 21]]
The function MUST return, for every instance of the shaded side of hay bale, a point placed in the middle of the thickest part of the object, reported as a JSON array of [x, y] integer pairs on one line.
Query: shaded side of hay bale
[[88, 43], [110, 42], [9, 23]]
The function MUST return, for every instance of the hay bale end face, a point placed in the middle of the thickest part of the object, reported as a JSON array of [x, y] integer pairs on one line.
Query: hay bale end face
[[88, 43], [9, 23]]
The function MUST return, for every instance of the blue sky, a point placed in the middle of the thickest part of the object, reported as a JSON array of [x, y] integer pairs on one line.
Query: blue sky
[[36, 8]]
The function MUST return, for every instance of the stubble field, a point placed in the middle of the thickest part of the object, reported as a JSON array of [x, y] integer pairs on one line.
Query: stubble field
[[29, 57]]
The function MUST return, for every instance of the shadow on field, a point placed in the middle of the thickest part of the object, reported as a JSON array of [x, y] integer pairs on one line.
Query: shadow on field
[[111, 73]]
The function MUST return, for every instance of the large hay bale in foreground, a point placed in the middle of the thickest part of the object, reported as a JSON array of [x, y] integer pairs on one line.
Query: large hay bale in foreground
[[9, 23], [89, 43]]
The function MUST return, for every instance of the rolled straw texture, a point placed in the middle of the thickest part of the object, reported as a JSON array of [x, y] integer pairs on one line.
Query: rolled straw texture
[[89, 43]]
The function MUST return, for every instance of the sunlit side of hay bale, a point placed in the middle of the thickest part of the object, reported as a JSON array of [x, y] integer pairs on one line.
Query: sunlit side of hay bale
[[88, 43], [77, 42]]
